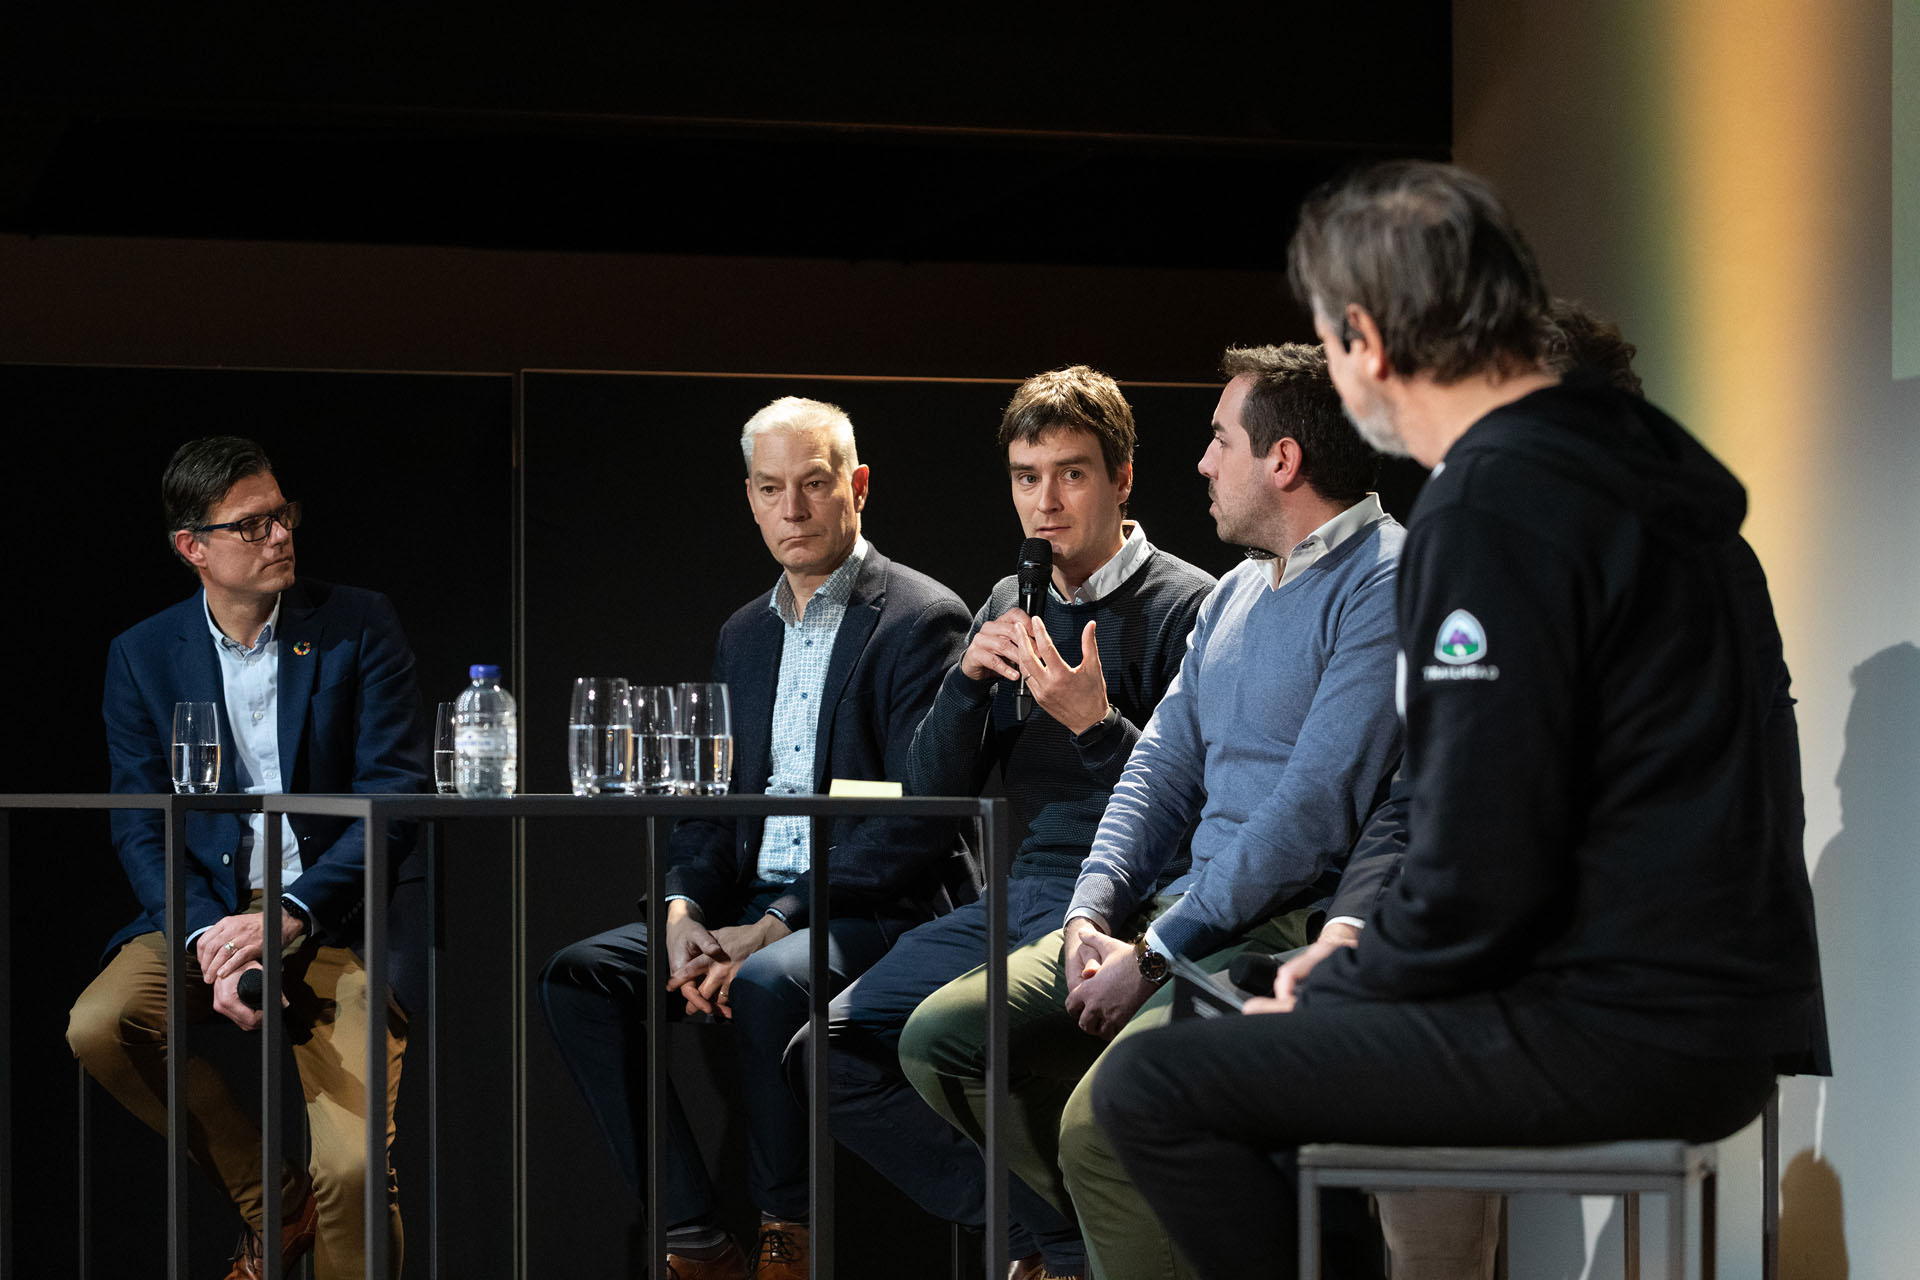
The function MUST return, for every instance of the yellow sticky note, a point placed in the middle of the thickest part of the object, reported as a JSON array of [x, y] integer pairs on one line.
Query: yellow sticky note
[[863, 789]]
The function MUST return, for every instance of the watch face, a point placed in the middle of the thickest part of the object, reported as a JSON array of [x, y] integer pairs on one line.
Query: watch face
[[1153, 966]]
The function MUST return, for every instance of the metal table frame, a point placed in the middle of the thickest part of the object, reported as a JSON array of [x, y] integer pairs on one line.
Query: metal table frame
[[377, 812], [174, 809]]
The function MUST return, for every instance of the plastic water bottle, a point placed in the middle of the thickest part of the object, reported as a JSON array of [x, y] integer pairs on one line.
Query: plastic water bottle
[[486, 737]]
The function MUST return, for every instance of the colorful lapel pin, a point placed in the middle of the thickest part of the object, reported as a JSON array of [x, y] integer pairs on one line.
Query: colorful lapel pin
[[302, 649]]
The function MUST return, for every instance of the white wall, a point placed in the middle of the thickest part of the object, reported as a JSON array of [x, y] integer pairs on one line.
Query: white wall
[[1717, 176]]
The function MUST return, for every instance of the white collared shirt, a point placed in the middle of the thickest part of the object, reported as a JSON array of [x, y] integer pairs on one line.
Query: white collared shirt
[[1134, 552], [1323, 541]]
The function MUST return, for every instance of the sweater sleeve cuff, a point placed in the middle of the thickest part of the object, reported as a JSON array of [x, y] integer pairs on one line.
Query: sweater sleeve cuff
[[1100, 745], [791, 908], [976, 693], [1098, 896]]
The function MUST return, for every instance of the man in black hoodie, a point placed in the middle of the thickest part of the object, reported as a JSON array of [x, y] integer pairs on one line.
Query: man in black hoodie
[[1601, 928]]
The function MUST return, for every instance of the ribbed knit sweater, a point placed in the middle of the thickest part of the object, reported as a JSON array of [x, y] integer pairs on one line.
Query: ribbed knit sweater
[[1056, 786]]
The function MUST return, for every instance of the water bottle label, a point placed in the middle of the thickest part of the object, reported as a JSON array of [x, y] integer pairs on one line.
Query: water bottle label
[[472, 740]]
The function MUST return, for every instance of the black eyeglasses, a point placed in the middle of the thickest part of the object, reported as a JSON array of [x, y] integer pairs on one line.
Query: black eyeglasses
[[256, 528]]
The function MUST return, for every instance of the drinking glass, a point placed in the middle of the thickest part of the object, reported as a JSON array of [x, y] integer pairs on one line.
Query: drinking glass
[[599, 736], [196, 748], [703, 741], [652, 708], [443, 750]]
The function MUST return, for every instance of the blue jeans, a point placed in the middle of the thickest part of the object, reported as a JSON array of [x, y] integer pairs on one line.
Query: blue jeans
[[874, 1111]]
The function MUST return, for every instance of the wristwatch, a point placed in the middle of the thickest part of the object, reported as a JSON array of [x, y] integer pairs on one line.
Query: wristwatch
[[1154, 967], [1086, 737], [298, 912]]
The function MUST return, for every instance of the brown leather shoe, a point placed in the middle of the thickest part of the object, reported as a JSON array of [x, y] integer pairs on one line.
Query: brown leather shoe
[[728, 1264], [781, 1251], [296, 1237], [1034, 1267]]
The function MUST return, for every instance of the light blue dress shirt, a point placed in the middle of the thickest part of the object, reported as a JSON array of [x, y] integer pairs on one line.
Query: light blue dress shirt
[[250, 681], [786, 846]]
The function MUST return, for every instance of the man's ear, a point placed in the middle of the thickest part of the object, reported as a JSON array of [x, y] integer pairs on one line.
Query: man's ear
[[1283, 461], [191, 549], [861, 477], [1360, 337]]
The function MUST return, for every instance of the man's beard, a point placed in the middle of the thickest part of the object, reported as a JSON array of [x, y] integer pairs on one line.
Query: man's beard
[[1377, 428]]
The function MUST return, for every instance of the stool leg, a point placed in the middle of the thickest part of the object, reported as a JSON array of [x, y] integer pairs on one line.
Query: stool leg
[[1770, 1188], [1309, 1225], [1677, 1233], [83, 1249], [1709, 1224], [1630, 1223]]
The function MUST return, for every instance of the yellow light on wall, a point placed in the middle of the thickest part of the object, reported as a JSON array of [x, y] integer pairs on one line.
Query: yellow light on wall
[[1754, 95]]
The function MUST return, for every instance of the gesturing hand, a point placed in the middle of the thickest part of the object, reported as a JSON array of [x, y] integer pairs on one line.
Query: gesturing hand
[[1075, 696]]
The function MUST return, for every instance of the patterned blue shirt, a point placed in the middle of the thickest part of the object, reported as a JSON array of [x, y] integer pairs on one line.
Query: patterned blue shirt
[[786, 847]]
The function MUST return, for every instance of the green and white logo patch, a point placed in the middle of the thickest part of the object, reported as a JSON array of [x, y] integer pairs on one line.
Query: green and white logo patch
[[1461, 640]]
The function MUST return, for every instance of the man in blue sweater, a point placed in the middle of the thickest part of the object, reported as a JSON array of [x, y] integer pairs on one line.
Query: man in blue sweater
[[1271, 746], [1108, 645]]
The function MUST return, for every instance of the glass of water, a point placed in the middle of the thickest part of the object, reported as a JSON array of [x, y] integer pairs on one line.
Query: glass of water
[[196, 748], [653, 720], [599, 736], [703, 741], [443, 750]]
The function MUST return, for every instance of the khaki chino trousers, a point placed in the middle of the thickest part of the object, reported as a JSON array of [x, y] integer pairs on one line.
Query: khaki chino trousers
[[1053, 1144], [118, 1031]]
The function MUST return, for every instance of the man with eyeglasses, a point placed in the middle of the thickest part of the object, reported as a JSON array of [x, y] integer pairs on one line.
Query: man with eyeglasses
[[315, 684]]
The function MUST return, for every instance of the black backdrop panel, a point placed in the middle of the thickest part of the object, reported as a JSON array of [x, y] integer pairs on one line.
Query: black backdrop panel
[[640, 544], [407, 486]]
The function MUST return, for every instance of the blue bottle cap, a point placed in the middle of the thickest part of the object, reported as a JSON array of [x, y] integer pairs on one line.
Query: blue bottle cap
[[481, 671]]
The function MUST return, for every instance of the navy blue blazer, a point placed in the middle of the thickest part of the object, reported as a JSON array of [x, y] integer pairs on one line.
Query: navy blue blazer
[[901, 632], [350, 720]]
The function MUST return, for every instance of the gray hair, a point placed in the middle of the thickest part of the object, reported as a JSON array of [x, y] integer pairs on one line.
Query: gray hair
[[802, 416], [1432, 255]]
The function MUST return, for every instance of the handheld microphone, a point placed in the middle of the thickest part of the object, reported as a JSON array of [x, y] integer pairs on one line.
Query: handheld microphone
[[252, 989], [1035, 570]]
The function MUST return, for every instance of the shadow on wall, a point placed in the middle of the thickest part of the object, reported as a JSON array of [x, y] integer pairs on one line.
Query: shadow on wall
[[1865, 885]]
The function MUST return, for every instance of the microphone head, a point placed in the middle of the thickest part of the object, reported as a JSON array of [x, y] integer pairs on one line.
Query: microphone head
[[251, 989], [1036, 564]]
